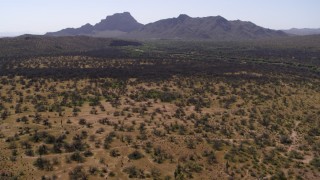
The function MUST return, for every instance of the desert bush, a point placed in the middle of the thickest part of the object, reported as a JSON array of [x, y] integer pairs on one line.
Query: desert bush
[[78, 173], [135, 155]]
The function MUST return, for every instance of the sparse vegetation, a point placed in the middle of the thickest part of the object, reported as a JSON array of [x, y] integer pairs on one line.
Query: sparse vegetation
[[180, 110]]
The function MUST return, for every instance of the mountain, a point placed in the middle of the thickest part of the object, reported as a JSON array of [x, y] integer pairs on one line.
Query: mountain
[[115, 25], [123, 25], [213, 28], [303, 32], [121, 22]]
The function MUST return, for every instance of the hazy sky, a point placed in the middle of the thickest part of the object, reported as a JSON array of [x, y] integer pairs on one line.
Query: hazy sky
[[39, 16]]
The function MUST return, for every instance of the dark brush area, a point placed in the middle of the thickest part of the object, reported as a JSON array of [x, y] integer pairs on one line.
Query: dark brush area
[[157, 58]]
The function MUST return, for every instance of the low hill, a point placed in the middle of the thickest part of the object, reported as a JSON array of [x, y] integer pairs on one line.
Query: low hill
[[30, 45], [303, 32]]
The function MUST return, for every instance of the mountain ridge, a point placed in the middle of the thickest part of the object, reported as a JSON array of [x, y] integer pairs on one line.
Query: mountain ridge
[[211, 27], [123, 25]]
